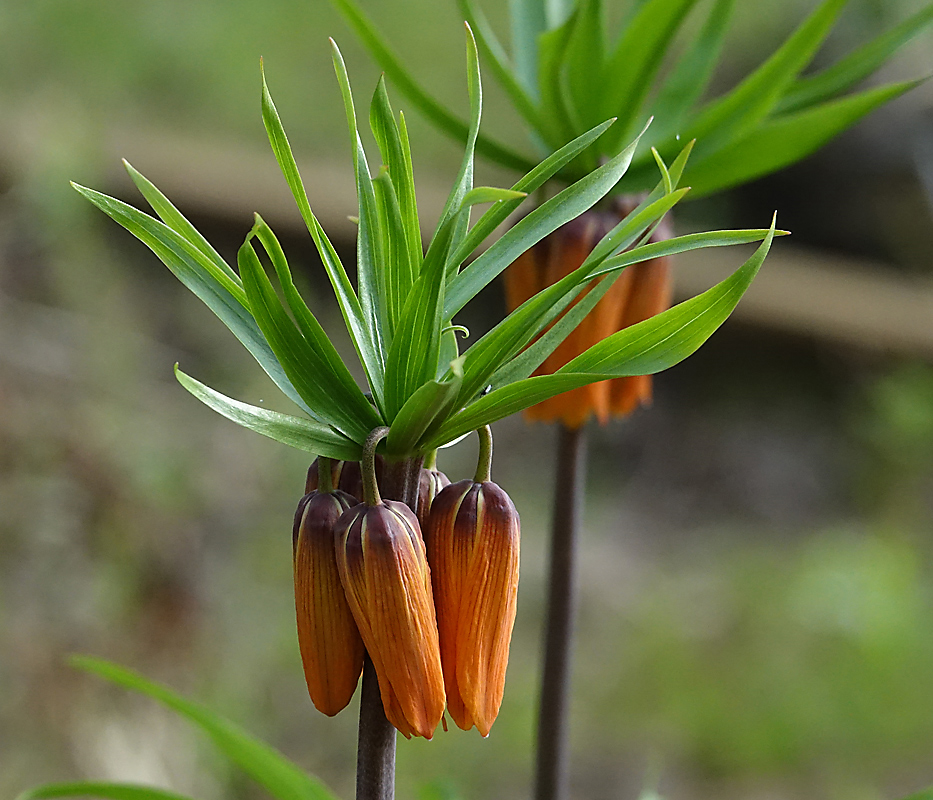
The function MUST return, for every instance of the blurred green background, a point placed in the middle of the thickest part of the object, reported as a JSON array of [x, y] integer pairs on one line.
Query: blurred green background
[[756, 617]]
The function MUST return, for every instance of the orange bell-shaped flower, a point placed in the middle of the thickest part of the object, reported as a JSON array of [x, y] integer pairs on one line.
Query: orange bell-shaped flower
[[329, 641], [384, 571], [473, 550]]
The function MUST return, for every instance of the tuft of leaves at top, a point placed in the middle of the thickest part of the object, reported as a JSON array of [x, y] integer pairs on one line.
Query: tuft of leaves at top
[[567, 71], [401, 312]]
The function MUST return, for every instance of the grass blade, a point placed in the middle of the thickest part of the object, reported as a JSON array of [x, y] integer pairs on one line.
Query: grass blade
[[107, 791], [280, 777]]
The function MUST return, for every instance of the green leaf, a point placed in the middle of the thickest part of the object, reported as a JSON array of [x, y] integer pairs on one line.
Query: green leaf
[[858, 65], [499, 212], [683, 244], [279, 776], [396, 276], [306, 366], [584, 62], [785, 140], [641, 349], [556, 114], [107, 791], [193, 269], [545, 219], [370, 282], [534, 355], [302, 434], [172, 217], [397, 158], [326, 362], [926, 794], [464, 180], [433, 401], [528, 23], [495, 55], [755, 97], [366, 348], [494, 349], [434, 111], [690, 77], [630, 68]]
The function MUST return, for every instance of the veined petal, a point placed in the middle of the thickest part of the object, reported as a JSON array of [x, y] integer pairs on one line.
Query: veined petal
[[330, 644], [384, 571], [473, 549]]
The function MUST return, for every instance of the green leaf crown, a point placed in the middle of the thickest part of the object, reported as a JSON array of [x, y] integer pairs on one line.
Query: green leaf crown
[[400, 313]]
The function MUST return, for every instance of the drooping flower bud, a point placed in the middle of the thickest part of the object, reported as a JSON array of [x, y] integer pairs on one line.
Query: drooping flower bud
[[431, 482], [473, 549], [384, 571], [330, 643]]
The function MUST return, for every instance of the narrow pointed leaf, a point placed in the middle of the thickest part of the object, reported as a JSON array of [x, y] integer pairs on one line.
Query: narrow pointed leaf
[[631, 67], [280, 777], [785, 140], [688, 80], [545, 219], [190, 266], [436, 112], [397, 158], [756, 96], [327, 363], [307, 368], [584, 63], [463, 183], [513, 333], [642, 349], [172, 217], [370, 284], [856, 66], [499, 212], [557, 114], [529, 21], [396, 275], [349, 303], [495, 55]]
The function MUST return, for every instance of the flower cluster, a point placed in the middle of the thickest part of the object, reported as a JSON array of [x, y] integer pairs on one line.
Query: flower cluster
[[431, 600]]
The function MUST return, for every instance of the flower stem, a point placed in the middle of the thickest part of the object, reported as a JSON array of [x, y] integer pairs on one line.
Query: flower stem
[[484, 461], [375, 755], [368, 466], [552, 754], [325, 475]]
